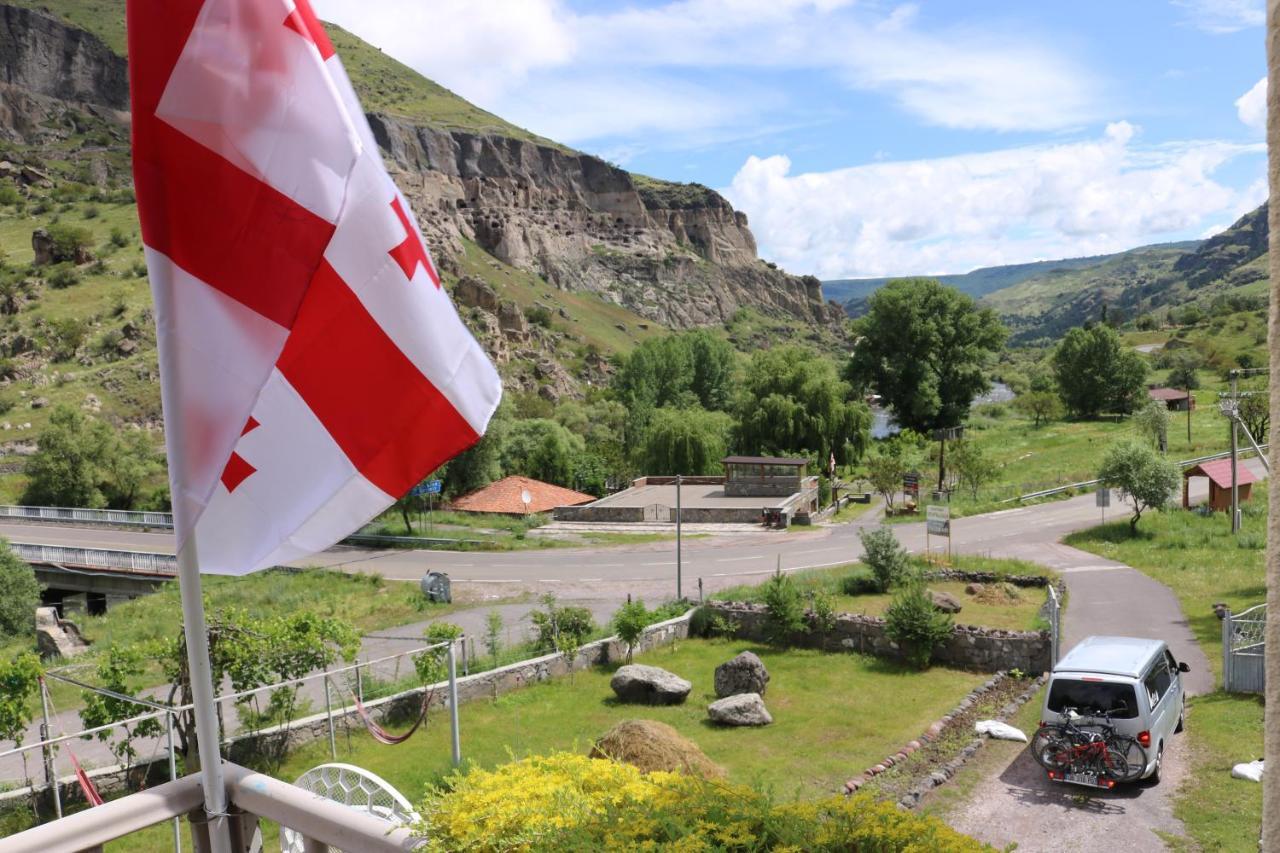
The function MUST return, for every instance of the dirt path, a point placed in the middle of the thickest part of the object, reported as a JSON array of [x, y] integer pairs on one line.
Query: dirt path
[[1017, 803]]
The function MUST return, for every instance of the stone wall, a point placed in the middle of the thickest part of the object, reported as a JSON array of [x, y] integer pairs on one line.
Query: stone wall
[[610, 514], [970, 647]]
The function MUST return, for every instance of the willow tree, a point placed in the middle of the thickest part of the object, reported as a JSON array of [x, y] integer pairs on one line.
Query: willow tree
[[794, 402], [684, 441]]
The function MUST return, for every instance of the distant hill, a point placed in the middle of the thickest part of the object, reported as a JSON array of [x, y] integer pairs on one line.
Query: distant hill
[[977, 283], [1041, 300]]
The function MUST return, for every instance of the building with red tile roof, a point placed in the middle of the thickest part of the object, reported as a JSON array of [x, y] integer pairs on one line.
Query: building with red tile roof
[[1219, 473], [506, 496], [1174, 399]]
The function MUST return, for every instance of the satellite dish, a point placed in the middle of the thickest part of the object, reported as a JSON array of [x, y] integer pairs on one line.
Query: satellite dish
[[355, 788], [527, 498]]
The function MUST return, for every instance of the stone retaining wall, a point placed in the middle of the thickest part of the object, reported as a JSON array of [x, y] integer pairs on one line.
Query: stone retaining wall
[[970, 646], [489, 684]]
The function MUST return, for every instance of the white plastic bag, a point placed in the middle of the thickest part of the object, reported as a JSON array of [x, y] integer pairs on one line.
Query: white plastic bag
[[999, 730], [1250, 770]]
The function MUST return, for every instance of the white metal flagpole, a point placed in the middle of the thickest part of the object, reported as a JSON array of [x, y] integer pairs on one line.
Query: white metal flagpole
[[200, 671]]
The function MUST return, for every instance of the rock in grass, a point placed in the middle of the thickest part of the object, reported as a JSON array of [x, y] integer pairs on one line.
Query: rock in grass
[[745, 673], [744, 709], [944, 601], [649, 685]]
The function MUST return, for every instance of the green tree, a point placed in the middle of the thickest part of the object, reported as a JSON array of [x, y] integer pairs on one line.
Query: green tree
[[793, 402], [629, 624], [784, 610], [481, 463], [892, 459], [973, 465], [1143, 476], [542, 449], [1184, 366], [66, 469], [19, 595], [70, 242], [119, 670], [924, 347], [684, 441], [132, 461], [493, 633], [1152, 423], [1040, 406], [915, 624], [886, 558], [19, 681], [432, 665], [676, 370], [1097, 373], [1255, 413]]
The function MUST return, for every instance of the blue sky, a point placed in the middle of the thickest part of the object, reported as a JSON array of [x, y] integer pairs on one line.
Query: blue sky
[[871, 138]]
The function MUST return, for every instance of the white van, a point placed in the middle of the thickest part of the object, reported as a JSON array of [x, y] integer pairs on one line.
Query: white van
[[1136, 681]]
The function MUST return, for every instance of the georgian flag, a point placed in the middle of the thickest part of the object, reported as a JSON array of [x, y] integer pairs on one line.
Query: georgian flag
[[312, 367]]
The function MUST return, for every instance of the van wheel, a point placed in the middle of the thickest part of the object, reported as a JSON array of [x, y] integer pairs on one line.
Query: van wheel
[[1154, 778], [1182, 716]]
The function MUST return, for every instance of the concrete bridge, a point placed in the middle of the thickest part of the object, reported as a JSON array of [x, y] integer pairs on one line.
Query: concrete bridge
[[90, 580]]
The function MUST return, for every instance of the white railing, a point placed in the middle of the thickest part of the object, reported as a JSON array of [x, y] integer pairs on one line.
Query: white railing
[[323, 823], [137, 562], [90, 516]]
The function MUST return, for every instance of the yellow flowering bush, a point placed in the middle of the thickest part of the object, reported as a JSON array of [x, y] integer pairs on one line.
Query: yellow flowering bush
[[568, 802]]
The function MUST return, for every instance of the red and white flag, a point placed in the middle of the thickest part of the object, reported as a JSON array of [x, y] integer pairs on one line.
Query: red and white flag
[[312, 367]]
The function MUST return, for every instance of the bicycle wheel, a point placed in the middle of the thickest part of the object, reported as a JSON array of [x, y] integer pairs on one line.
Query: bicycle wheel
[[1128, 757], [1043, 737], [1056, 754]]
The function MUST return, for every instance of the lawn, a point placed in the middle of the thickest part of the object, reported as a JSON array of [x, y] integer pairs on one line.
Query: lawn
[[1019, 615], [830, 711], [1202, 562]]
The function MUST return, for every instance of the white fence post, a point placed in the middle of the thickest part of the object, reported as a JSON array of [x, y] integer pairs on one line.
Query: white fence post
[[453, 707]]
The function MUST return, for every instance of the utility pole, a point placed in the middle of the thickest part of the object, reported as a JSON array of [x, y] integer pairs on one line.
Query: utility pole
[[1190, 403], [1235, 462], [679, 593]]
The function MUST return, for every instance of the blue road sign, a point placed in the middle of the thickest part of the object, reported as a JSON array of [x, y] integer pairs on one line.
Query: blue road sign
[[431, 487]]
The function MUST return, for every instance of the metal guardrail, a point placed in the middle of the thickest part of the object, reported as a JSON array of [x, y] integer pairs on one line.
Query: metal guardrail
[[164, 521], [1185, 463], [94, 516], [102, 559]]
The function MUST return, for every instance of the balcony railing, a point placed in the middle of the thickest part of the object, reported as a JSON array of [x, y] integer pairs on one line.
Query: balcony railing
[[323, 824]]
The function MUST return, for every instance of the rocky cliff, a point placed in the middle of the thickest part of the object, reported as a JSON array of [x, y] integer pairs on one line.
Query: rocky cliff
[[678, 255]]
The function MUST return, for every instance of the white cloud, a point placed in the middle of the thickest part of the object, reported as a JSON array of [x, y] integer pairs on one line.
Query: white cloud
[[505, 53], [1224, 16], [954, 214], [1252, 106]]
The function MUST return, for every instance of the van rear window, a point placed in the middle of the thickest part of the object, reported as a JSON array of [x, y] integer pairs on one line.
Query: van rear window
[[1093, 696]]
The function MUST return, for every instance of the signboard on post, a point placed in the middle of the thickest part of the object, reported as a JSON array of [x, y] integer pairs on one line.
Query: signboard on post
[[1103, 498], [430, 487], [938, 520]]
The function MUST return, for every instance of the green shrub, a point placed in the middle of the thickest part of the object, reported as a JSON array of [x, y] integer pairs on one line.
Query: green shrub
[[707, 623], [885, 557], [69, 241], [9, 194], [538, 315], [432, 665], [19, 596], [915, 624], [561, 627], [63, 275], [629, 624], [91, 212], [784, 610], [859, 582], [139, 269], [118, 238]]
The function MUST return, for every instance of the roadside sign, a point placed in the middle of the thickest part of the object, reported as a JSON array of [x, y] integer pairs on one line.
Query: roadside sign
[[1103, 498], [938, 520], [430, 487], [911, 483]]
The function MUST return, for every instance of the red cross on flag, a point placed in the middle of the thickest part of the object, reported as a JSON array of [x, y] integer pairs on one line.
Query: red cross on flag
[[312, 368]]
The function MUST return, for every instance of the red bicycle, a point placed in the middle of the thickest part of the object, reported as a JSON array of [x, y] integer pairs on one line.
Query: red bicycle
[[1095, 756]]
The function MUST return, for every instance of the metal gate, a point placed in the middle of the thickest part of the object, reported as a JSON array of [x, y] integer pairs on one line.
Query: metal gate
[[1055, 624], [660, 513], [1243, 650]]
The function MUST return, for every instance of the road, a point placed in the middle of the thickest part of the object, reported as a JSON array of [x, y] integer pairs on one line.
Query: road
[[1017, 804]]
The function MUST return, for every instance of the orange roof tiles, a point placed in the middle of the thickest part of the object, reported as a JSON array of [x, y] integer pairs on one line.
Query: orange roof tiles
[[504, 496]]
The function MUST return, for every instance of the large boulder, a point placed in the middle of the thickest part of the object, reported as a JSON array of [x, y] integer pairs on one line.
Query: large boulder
[[649, 685], [944, 601], [651, 745], [743, 674], [745, 709]]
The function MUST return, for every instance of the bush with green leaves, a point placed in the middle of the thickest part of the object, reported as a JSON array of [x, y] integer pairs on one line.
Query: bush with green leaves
[[822, 613], [19, 595], [859, 582], [119, 670], [493, 633], [886, 558], [916, 625], [70, 242], [432, 665], [784, 610], [629, 624], [1142, 475], [561, 627], [63, 276], [707, 623]]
